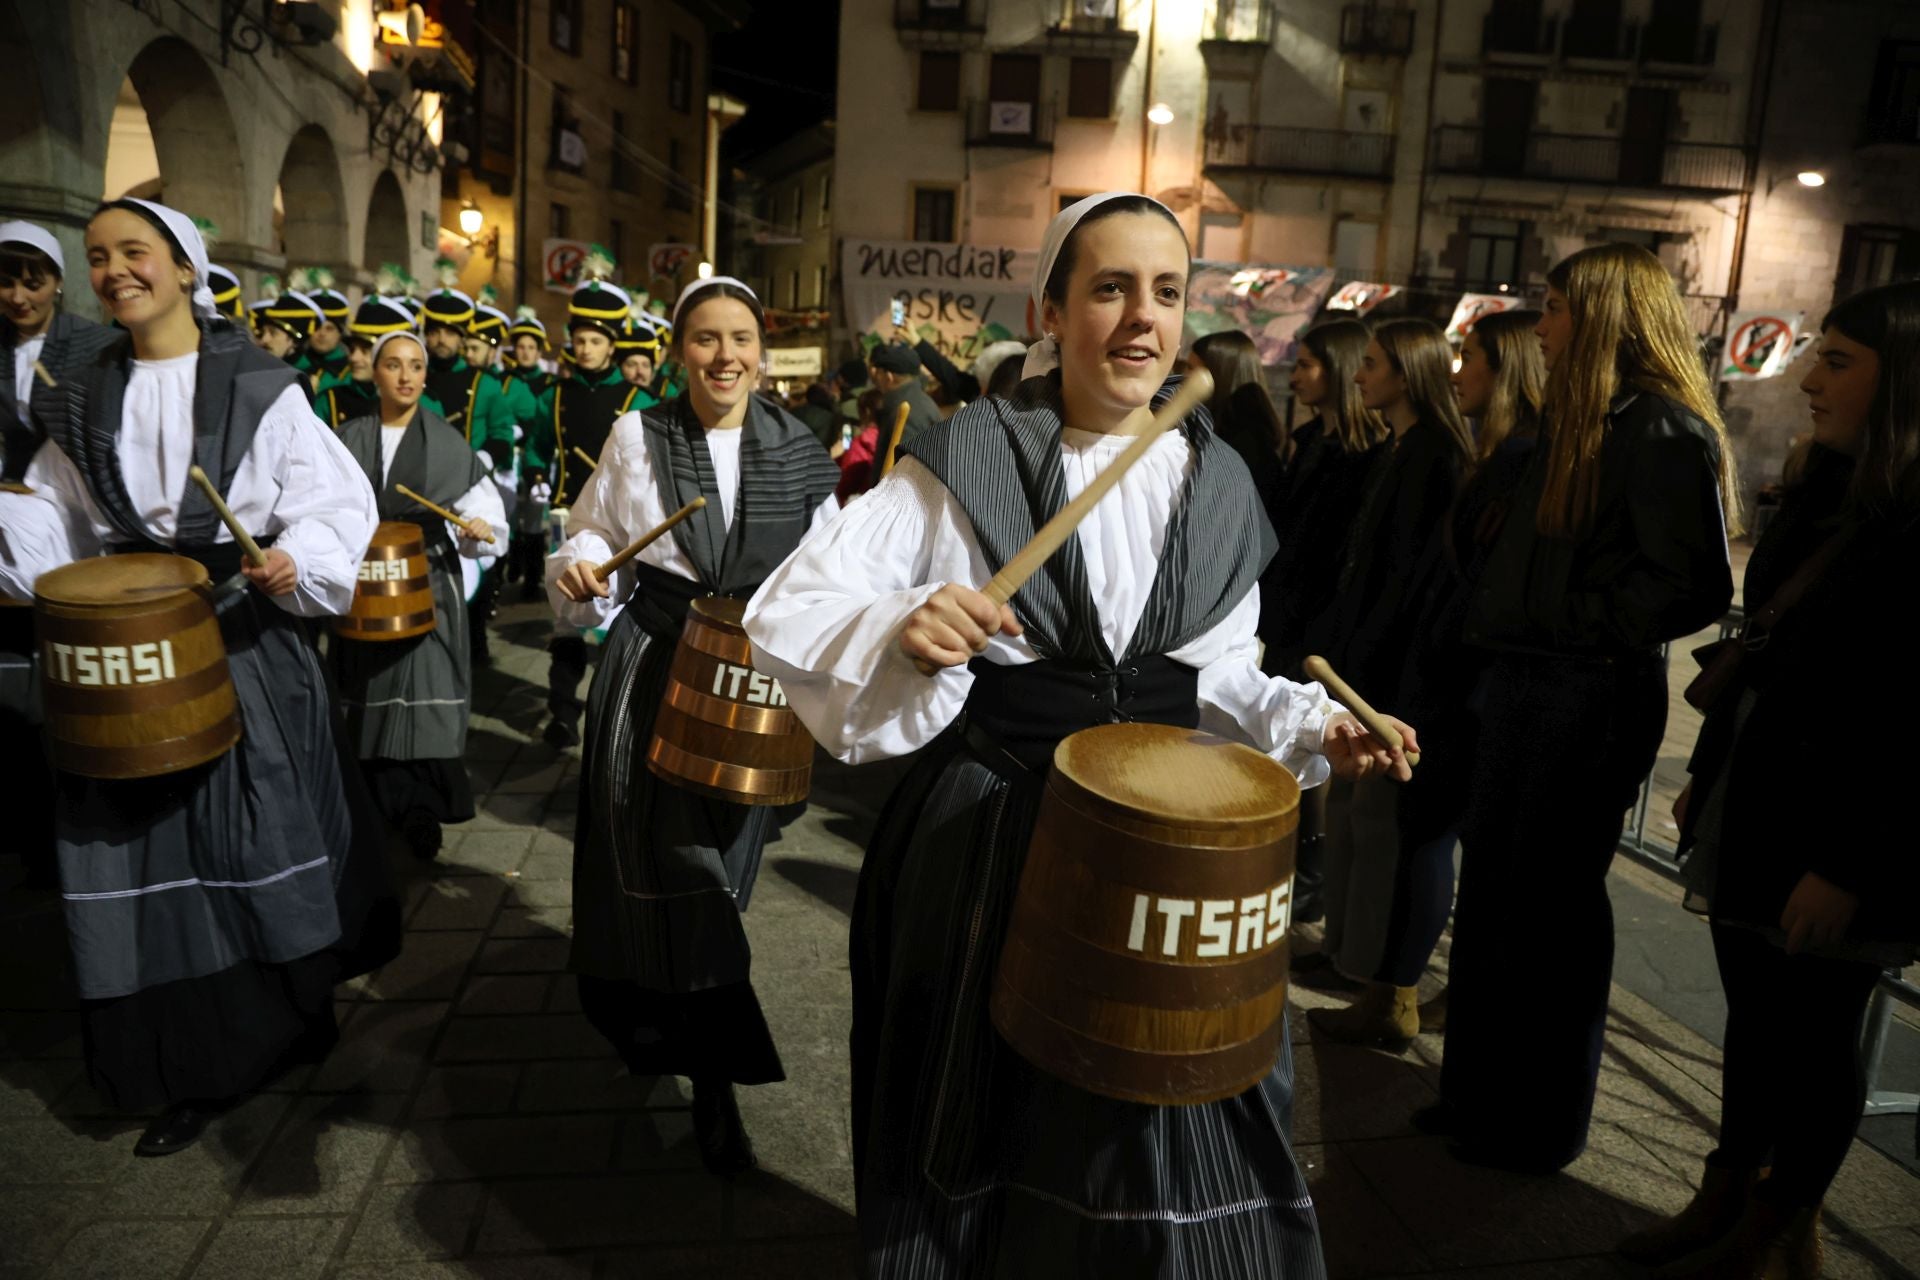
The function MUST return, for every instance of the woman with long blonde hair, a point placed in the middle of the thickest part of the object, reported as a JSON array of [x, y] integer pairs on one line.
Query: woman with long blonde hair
[[1616, 544], [1376, 882]]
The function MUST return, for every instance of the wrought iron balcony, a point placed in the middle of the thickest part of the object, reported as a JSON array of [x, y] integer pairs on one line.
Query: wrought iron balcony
[[1696, 48], [1365, 29], [1280, 149], [1021, 125], [1510, 40], [1705, 168], [1091, 27]]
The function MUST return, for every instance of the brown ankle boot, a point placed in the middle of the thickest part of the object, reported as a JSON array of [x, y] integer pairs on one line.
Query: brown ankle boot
[[1433, 1013], [1712, 1214], [1771, 1242], [1383, 1015]]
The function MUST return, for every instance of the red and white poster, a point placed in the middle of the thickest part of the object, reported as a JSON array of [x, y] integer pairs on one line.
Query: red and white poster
[[560, 263], [1472, 306], [1760, 344], [1361, 296]]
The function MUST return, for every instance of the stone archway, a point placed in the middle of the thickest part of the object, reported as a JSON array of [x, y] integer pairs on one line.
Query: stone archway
[[387, 236], [311, 206], [173, 93]]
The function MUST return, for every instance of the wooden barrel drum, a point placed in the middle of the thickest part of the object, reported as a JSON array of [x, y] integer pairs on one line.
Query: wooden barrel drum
[[1146, 957], [725, 730], [133, 671], [394, 598]]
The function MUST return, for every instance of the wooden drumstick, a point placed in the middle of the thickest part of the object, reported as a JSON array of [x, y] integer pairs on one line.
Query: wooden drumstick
[[255, 556], [1026, 562], [585, 457], [453, 517], [44, 375], [1376, 724], [893, 442], [606, 570]]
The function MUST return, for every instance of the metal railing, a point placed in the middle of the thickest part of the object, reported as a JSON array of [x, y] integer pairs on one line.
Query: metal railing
[[1009, 124], [1091, 17], [1281, 149], [1662, 858], [1537, 40], [1238, 21], [1638, 42], [1680, 46], [1590, 158], [1367, 30]]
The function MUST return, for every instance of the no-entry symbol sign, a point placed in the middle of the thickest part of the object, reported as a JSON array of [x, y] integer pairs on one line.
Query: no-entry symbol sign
[[1759, 344], [560, 263]]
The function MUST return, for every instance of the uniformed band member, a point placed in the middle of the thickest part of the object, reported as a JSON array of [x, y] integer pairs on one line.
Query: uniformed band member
[[469, 399], [39, 331], [324, 360], [407, 701], [374, 318], [526, 558], [638, 351], [661, 875], [971, 1162], [284, 326], [226, 293], [578, 412], [485, 334], [211, 911]]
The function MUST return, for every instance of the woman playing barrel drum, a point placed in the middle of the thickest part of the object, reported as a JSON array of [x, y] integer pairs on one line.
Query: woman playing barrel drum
[[661, 874], [211, 910], [407, 701], [971, 1162]]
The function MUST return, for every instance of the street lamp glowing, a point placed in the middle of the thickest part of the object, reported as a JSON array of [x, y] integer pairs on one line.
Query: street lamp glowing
[[1160, 113], [1811, 178], [704, 270], [471, 220]]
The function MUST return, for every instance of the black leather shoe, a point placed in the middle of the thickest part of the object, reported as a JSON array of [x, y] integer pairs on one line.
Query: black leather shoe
[[176, 1129], [560, 734], [1486, 1155], [423, 836], [718, 1131]]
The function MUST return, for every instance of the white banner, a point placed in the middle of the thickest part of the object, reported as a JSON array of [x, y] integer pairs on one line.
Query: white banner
[[795, 362], [959, 297], [1760, 344], [1361, 296], [560, 263]]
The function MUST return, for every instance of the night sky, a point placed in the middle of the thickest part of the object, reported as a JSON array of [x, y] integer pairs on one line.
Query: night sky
[[782, 64]]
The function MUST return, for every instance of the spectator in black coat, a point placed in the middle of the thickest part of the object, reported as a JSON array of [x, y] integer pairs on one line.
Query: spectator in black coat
[[1809, 898], [1629, 497], [1365, 635]]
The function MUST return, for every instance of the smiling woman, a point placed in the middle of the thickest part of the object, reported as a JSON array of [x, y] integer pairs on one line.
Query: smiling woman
[[210, 915], [971, 1162]]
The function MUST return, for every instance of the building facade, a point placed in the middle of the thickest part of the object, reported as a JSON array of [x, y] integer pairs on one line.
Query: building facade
[[784, 237], [1441, 146], [592, 122], [294, 140]]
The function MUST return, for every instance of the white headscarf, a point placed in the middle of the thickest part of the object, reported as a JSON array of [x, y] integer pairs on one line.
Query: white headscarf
[[708, 283], [37, 236], [188, 236], [385, 338], [1044, 355]]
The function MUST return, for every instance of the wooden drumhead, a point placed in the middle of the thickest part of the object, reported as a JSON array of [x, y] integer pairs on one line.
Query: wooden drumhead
[[1181, 775], [114, 582]]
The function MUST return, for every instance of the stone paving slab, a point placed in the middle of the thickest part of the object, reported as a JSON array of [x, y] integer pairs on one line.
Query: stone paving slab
[[471, 1126]]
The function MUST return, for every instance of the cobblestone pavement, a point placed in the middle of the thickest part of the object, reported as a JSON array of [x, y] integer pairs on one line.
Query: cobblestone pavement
[[471, 1124]]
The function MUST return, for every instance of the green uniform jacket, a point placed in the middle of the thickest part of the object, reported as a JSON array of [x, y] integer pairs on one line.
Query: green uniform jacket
[[328, 372], [486, 417], [346, 400], [536, 451]]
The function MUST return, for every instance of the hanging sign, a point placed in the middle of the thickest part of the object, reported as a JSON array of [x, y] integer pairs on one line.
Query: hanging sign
[[1272, 305], [1473, 306], [667, 259], [1760, 344], [1361, 296], [560, 263], [959, 297], [795, 362]]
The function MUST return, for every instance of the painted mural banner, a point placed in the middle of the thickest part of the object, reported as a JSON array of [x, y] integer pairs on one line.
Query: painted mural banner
[[959, 297], [1271, 304], [1473, 307], [1760, 344]]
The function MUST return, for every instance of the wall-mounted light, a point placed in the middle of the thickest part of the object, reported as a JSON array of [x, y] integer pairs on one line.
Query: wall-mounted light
[[1160, 113], [471, 219], [1809, 178], [704, 270]]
